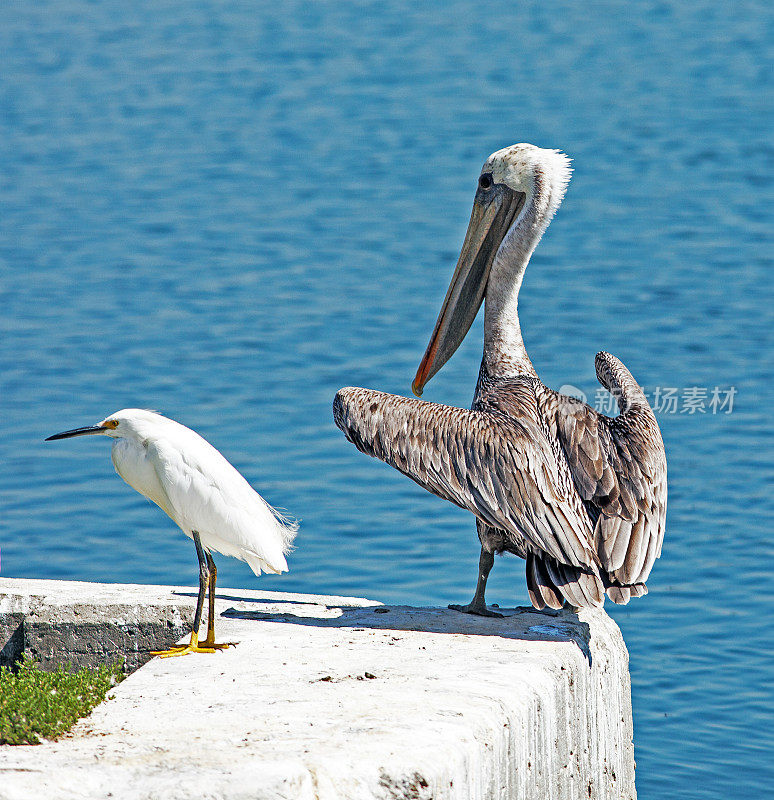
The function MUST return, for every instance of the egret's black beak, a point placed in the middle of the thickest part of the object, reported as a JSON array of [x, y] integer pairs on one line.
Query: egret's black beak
[[77, 432]]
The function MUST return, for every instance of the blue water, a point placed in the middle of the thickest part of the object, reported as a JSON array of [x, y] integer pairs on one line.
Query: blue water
[[227, 210]]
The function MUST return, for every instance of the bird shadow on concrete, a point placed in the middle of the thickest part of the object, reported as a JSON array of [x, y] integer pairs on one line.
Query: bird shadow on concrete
[[235, 599], [527, 624]]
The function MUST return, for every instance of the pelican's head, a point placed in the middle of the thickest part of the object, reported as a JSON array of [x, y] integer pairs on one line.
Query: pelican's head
[[530, 170], [513, 180]]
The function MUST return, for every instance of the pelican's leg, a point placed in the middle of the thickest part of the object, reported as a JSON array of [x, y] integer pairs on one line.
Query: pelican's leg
[[210, 640], [478, 605], [204, 575]]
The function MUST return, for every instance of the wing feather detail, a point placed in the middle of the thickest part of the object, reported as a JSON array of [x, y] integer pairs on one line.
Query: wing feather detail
[[500, 468], [618, 466]]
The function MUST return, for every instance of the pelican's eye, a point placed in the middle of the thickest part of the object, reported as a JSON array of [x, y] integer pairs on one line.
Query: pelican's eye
[[485, 181], [110, 423]]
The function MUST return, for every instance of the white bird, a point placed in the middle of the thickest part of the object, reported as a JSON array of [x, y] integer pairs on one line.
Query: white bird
[[203, 494]]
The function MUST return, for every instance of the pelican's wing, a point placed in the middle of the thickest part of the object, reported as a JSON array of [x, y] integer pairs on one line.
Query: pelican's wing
[[209, 495], [498, 468], [619, 469]]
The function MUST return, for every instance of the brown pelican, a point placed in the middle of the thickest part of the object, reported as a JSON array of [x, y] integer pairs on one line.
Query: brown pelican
[[580, 496]]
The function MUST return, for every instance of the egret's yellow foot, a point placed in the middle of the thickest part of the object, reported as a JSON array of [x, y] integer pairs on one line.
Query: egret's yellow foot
[[174, 649], [215, 646], [189, 648], [192, 647]]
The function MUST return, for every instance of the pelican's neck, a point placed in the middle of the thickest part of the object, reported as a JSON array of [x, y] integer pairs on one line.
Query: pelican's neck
[[504, 352]]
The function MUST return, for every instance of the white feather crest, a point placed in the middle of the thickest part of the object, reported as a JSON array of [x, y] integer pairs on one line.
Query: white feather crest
[[522, 166]]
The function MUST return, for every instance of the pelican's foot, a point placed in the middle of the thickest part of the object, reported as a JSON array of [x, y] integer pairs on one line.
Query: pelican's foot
[[479, 609]]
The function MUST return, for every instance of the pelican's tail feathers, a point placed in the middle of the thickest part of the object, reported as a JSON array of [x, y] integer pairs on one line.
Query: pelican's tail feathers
[[621, 594], [551, 583]]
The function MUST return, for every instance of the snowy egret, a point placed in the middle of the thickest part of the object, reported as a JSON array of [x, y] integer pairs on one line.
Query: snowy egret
[[202, 492]]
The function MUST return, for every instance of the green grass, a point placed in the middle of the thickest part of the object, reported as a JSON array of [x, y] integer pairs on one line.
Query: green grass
[[37, 705]]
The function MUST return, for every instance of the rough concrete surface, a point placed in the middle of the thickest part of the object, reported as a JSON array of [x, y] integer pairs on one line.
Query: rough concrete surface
[[341, 698], [89, 624]]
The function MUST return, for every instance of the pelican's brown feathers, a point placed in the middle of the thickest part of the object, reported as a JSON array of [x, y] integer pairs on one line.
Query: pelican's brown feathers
[[548, 477], [580, 496]]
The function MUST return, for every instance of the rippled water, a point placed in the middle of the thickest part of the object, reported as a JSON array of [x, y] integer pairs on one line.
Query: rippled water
[[226, 211]]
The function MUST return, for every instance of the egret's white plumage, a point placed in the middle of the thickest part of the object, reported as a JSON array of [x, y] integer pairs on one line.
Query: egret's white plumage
[[198, 488], [201, 491]]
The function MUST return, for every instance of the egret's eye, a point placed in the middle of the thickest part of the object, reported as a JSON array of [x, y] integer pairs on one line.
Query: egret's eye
[[485, 181], [110, 423]]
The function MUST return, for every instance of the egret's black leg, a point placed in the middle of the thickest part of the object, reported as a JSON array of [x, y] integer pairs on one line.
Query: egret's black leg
[[210, 640], [207, 574], [211, 615], [204, 577], [478, 605], [213, 576]]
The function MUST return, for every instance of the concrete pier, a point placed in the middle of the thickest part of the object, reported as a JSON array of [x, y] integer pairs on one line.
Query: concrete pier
[[326, 698]]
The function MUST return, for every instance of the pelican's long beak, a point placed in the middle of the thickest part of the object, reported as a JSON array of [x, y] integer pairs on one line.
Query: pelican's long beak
[[77, 432], [494, 211]]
